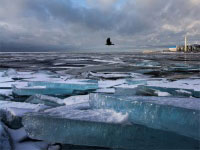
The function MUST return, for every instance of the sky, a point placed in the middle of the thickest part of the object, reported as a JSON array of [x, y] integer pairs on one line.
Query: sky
[[69, 25]]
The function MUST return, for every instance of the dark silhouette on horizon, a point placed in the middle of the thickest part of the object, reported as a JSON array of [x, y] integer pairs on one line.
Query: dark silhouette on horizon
[[108, 42]]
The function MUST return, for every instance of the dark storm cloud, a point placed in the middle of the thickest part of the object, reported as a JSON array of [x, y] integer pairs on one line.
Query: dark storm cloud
[[61, 24], [64, 12]]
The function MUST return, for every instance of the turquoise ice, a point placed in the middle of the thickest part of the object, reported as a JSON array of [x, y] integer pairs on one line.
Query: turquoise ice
[[55, 88], [32, 90], [80, 85], [103, 128], [179, 115]]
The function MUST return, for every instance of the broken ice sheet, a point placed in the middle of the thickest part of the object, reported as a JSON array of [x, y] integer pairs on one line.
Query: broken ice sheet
[[12, 112], [176, 88], [160, 87], [126, 89], [72, 100], [46, 100], [32, 90], [187, 84], [137, 89], [73, 84], [68, 87], [55, 102], [98, 127], [180, 115], [110, 83]]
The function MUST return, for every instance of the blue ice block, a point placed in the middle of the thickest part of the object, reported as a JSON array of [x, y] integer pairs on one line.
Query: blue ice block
[[103, 128], [28, 91], [180, 115], [80, 86]]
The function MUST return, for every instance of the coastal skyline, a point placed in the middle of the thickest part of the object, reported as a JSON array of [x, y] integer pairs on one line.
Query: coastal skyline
[[80, 24]]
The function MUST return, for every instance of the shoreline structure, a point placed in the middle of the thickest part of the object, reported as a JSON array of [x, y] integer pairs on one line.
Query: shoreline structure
[[186, 48]]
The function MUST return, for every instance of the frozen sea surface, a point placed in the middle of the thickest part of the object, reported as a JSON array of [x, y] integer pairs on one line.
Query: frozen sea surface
[[57, 85]]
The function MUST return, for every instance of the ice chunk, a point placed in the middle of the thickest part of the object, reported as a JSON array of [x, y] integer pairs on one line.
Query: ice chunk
[[109, 83], [32, 90], [176, 87], [55, 102], [76, 99], [69, 87], [104, 128], [80, 85], [162, 93], [135, 89], [12, 112], [180, 115], [5, 141], [181, 92], [126, 90], [46, 100], [10, 72], [138, 87]]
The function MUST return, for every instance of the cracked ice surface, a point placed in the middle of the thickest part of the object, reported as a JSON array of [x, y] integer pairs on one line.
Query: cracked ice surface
[[193, 84], [163, 76]]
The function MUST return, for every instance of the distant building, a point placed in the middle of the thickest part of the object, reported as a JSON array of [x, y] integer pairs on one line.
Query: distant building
[[184, 48], [172, 49], [188, 48]]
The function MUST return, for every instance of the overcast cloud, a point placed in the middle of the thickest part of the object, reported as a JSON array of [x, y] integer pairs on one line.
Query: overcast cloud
[[79, 24]]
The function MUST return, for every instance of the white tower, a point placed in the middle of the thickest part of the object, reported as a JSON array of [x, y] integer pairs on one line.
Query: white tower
[[185, 43]]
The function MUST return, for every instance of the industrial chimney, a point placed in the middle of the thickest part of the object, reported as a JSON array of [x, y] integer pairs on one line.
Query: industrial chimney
[[185, 43]]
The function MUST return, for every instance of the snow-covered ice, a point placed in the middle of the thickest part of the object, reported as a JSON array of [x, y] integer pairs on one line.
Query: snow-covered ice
[[76, 99], [12, 112], [46, 100], [179, 115]]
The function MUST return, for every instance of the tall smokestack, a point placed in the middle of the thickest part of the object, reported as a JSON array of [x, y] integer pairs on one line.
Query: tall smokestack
[[185, 43]]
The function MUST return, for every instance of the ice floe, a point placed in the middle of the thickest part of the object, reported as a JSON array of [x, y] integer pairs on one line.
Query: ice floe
[[12, 112]]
